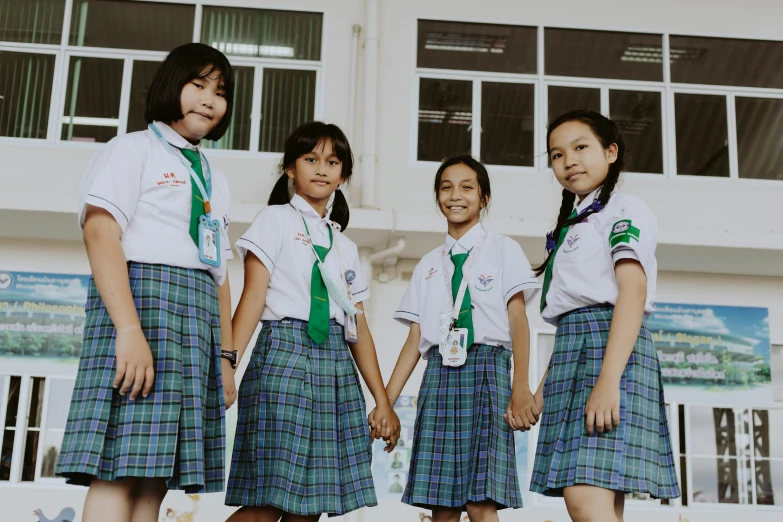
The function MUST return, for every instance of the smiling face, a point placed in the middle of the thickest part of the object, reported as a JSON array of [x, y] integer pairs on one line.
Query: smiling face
[[579, 160], [203, 104], [317, 174], [459, 195]]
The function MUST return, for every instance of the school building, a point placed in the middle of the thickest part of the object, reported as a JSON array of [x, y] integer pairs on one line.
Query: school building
[[696, 87]]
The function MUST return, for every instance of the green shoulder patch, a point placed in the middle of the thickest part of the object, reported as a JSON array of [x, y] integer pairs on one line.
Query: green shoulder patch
[[623, 232]]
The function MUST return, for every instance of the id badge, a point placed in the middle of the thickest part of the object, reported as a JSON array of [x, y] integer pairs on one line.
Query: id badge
[[351, 330], [209, 241], [453, 342]]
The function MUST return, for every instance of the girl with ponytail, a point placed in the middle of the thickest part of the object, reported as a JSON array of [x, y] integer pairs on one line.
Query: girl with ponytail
[[604, 431], [303, 446]]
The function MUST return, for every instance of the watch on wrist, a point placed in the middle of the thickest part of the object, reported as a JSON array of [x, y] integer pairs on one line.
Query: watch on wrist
[[231, 356]]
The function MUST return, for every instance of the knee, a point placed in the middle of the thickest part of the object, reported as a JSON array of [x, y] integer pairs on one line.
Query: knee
[[482, 511]]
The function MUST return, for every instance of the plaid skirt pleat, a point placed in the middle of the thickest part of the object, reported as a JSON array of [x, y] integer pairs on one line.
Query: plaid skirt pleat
[[463, 450], [635, 457], [302, 441], [177, 432]]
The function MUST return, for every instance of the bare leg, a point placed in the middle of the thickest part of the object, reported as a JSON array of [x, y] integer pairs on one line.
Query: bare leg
[[147, 497], [287, 517], [590, 503], [619, 505], [108, 497], [486, 511], [255, 514], [444, 514]]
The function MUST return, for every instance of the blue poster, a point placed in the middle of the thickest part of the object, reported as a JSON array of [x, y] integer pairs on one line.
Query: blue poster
[[42, 315], [710, 352]]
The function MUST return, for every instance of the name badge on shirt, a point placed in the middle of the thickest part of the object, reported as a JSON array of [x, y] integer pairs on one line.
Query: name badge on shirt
[[209, 241], [453, 342]]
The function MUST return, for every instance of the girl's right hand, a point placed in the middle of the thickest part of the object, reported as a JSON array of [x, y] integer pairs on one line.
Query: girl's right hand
[[135, 367], [539, 397]]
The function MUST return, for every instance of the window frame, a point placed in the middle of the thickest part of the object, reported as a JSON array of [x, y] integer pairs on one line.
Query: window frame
[[63, 53], [542, 81]]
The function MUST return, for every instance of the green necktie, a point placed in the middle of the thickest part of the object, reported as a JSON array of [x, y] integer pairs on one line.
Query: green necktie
[[465, 319], [318, 322], [197, 203], [548, 271]]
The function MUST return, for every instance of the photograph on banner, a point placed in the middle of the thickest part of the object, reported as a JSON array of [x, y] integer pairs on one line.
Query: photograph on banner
[[710, 352], [41, 319]]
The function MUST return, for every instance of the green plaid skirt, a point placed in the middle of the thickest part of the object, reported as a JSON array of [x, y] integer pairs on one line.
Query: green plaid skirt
[[302, 442], [177, 432], [635, 457], [463, 450]]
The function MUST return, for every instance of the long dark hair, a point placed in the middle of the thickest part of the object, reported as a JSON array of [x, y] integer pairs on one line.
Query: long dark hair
[[304, 140], [184, 64], [606, 132], [476, 166]]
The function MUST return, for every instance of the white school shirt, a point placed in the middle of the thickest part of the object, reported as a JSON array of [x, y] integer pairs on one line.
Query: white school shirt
[[496, 270], [147, 189], [277, 238], [583, 271]]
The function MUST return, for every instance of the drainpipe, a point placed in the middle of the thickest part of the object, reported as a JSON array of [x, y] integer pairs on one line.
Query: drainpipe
[[357, 29], [370, 103]]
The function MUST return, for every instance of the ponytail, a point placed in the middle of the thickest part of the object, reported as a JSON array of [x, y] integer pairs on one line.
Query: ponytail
[[340, 212], [280, 194]]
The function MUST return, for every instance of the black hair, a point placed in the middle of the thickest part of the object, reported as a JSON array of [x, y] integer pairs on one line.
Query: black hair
[[184, 64], [306, 138], [607, 134], [485, 192]]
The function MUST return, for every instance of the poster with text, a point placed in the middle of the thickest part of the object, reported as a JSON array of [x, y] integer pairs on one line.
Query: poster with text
[[41, 316], [713, 354]]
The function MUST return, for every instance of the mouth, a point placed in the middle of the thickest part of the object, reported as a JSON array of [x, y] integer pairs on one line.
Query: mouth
[[203, 115], [573, 176], [320, 183], [456, 208]]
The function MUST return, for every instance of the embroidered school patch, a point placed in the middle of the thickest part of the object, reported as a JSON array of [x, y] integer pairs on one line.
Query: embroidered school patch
[[485, 282], [623, 232]]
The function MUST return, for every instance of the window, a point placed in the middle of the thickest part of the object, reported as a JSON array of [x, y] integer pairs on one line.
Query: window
[[445, 118], [507, 123], [288, 100], [35, 410], [142, 75], [123, 24], [759, 127], [92, 99], [32, 21], [637, 115], [25, 94], [701, 129], [565, 99], [477, 47], [263, 33], [603, 54]]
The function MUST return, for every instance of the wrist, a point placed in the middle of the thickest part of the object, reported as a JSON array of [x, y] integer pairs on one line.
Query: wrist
[[130, 327]]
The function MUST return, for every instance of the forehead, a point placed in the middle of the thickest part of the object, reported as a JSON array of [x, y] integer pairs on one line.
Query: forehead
[[324, 147], [211, 73], [568, 132], [457, 173]]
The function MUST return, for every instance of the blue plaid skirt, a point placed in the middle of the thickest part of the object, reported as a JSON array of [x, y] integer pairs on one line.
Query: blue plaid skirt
[[463, 450], [635, 457], [302, 442], [177, 432]]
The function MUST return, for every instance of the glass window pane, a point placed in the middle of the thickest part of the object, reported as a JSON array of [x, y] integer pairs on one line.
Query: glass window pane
[[25, 94], [477, 47], [237, 136], [60, 392], [769, 482], [262, 32], [92, 100], [32, 21], [759, 127], [445, 118], [12, 404], [287, 101], [767, 427], [638, 117], [30, 456], [565, 99], [715, 480], [7, 453], [724, 61], [603, 54], [53, 441], [36, 402], [507, 123], [142, 75], [121, 24], [702, 135]]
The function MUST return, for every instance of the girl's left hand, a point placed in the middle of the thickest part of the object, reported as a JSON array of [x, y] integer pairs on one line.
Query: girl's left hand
[[388, 424], [229, 386], [522, 412], [602, 410]]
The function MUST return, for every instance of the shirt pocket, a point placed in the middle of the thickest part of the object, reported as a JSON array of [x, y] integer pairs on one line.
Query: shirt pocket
[[583, 243]]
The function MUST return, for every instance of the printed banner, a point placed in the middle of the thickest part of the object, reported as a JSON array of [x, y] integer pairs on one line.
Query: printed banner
[[713, 353], [42, 315]]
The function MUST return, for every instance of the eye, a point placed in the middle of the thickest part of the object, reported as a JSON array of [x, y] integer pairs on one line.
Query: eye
[[222, 94], [556, 155], [333, 162], [467, 187], [310, 159], [581, 147], [197, 85]]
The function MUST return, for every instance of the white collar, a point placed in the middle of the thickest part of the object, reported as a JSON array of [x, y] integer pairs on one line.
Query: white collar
[[468, 241], [174, 137], [299, 203]]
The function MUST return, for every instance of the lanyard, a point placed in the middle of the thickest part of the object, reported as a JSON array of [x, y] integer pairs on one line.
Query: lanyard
[[332, 242], [464, 285], [205, 192]]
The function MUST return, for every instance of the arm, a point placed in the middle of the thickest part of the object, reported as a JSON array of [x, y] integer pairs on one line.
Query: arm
[[406, 362], [229, 386], [135, 367], [603, 406], [367, 361], [251, 304], [522, 411]]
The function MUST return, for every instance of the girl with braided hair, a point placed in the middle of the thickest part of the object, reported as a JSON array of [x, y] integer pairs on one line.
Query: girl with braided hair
[[603, 430]]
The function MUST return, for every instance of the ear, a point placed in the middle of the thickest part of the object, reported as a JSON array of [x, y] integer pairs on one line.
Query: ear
[[290, 172], [611, 153]]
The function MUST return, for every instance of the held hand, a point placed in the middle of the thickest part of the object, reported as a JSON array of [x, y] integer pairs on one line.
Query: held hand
[[602, 410], [540, 400], [375, 431], [522, 412], [229, 385], [388, 424], [135, 367]]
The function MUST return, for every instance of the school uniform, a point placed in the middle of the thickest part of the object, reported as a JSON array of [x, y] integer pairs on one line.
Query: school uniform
[[302, 442], [582, 292], [177, 432], [463, 450]]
